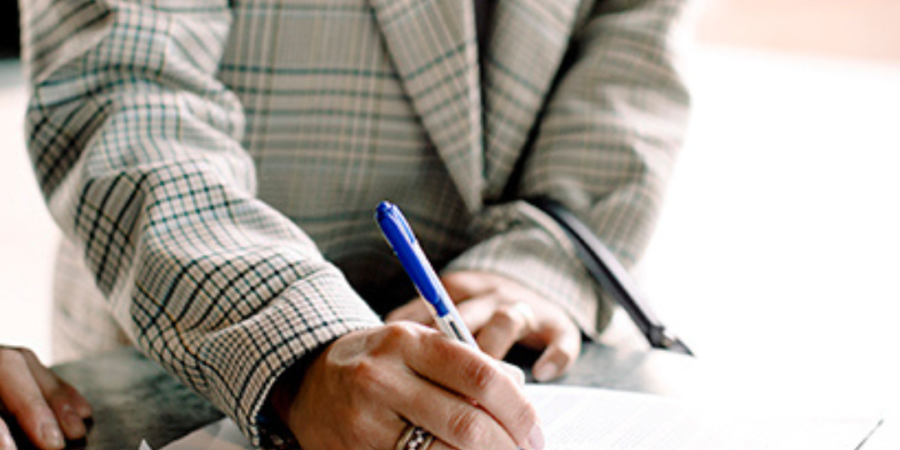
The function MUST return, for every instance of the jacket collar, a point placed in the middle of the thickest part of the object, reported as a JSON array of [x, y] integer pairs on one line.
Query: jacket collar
[[527, 46], [434, 47]]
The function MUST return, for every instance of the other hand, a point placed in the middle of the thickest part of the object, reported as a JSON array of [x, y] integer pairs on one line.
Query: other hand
[[501, 312], [46, 407], [364, 389]]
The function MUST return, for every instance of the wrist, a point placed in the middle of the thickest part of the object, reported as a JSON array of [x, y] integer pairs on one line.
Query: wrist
[[286, 387], [273, 419]]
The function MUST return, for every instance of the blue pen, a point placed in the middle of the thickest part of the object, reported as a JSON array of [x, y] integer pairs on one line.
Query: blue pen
[[401, 238]]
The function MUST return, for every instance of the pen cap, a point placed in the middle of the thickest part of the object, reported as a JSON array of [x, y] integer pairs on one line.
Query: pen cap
[[400, 237], [393, 224]]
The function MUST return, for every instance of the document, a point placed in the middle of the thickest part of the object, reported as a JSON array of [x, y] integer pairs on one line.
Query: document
[[598, 419]]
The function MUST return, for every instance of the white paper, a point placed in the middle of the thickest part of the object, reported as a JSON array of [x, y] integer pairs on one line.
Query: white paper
[[221, 435], [593, 419]]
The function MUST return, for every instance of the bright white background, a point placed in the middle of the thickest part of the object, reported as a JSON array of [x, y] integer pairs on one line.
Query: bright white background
[[778, 253], [27, 234]]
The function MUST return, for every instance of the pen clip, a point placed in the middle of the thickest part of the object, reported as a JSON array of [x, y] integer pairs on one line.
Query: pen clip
[[388, 214]]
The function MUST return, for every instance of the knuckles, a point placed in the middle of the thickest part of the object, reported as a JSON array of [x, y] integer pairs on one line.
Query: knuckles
[[400, 331], [506, 318], [365, 373], [370, 372], [468, 429], [393, 338], [480, 374]]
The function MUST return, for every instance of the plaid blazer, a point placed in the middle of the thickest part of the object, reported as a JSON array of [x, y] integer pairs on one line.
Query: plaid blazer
[[214, 164]]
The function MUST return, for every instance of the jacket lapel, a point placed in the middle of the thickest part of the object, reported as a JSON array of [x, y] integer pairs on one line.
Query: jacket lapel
[[434, 48], [528, 42]]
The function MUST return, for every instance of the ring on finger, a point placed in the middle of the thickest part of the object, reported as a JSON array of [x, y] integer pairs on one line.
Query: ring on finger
[[414, 438]]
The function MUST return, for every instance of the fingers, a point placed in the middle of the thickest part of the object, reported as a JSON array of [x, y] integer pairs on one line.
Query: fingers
[[67, 404], [57, 389], [450, 418], [363, 389], [6, 440], [465, 284], [560, 354], [22, 396], [497, 324], [475, 376], [367, 385], [477, 312], [501, 311]]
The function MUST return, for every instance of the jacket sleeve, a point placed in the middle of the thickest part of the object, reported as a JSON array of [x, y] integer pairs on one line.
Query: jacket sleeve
[[135, 145], [605, 148]]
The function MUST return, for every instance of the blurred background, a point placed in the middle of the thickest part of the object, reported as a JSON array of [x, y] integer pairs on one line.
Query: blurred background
[[778, 248]]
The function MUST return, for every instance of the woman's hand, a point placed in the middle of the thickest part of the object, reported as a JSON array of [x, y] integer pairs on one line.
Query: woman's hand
[[364, 389], [47, 408], [501, 312]]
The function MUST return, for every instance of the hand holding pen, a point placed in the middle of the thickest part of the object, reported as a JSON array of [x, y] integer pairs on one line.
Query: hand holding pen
[[437, 300], [404, 386], [499, 310]]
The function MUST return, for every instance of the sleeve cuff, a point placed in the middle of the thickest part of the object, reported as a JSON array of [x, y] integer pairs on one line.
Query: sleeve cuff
[[296, 324]]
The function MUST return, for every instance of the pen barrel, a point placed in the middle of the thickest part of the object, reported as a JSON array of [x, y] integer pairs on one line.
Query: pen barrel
[[452, 325], [436, 296], [400, 237], [426, 280]]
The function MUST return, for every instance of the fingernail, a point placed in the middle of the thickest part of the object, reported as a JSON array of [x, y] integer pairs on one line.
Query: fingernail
[[73, 418], [74, 426], [536, 438], [546, 372], [51, 435], [83, 410]]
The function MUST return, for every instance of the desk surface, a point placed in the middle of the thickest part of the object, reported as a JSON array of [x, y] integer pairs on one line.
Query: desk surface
[[134, 399]]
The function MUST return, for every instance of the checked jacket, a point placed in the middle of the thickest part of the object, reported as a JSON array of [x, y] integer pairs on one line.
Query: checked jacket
[[214, 165]]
